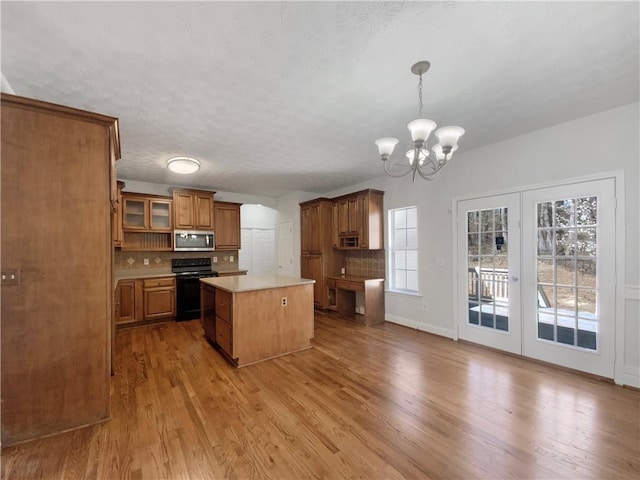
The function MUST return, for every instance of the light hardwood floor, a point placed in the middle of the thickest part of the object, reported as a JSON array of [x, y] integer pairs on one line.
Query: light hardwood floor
[[368, 402]]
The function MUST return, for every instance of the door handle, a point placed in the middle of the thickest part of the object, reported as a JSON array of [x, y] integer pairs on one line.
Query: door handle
[[514, 278]]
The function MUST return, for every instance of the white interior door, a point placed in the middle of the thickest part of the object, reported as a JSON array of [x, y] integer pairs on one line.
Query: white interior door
[[489, 266], [263, 251], [569, 275], [285, 248], [245, 253]]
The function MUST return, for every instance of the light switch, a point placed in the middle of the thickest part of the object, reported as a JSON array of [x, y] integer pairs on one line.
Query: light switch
[[10, 276]]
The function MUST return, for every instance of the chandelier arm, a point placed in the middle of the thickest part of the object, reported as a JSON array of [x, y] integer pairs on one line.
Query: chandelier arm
[[389, 164], [431, 175]]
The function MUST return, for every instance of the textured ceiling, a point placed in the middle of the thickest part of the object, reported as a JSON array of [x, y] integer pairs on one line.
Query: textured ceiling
[[275, 97]]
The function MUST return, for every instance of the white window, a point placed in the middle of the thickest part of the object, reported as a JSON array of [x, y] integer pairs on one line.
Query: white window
[[403, 252]]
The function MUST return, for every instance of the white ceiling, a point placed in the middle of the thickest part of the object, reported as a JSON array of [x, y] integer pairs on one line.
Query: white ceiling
[[280, 96]]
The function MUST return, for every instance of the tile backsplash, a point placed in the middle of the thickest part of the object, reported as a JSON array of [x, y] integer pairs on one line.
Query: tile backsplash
[[161, 261], [369, 263]]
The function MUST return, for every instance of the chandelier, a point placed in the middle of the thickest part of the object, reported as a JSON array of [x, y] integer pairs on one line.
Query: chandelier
[[419, 159]]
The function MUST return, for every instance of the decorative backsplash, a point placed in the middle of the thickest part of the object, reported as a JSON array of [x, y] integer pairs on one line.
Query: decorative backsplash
[[369, 263], [161, 261]]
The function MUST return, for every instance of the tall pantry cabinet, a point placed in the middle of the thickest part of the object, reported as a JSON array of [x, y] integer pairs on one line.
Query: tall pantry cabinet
[[58, 191], [318, 257]]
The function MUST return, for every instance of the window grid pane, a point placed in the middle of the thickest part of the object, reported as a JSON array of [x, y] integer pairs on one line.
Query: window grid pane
[[403, 232]]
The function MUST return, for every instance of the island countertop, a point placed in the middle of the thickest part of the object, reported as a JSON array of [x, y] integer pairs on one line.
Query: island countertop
[[247, 283]]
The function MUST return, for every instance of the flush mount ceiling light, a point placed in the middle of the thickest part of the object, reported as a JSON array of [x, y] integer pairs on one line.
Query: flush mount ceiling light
[[183, 165], [419, 159]]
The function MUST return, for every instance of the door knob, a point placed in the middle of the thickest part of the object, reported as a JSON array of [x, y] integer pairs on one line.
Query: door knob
[[514, 278]]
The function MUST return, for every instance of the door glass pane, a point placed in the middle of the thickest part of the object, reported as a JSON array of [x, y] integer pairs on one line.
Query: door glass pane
[[488, 274], [566, 270]]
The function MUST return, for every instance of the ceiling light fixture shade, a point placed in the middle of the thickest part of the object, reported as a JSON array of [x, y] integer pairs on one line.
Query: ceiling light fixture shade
[[183, 165], [419, 160]]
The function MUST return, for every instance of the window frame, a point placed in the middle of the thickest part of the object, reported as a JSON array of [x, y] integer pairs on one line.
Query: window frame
[[392, 285]]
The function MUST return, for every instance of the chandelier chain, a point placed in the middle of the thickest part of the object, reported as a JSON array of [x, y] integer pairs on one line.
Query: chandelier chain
[[420, 97]]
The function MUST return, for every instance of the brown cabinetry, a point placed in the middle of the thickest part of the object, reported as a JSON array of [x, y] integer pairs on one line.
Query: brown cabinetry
[[116, 218], [145, 299], [146, 213], [193, 210], [318, 258], [251, 322], [227, 225], [57, 194], [358, 222], [126, 307], [208, 310], [159, 298], [146, 222]]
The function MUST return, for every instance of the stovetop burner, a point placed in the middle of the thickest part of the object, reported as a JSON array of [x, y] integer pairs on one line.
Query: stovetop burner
[[191, 265]]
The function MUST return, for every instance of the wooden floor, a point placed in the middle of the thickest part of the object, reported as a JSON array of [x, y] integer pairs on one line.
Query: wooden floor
[[376, 402]]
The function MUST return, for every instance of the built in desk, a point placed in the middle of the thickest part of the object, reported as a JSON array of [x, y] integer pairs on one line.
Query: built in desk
[[372, 290]]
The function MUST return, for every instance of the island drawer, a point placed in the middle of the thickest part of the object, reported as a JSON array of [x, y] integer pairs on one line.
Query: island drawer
[[223, 305], [224, 336], [158, 282], [347, 285]]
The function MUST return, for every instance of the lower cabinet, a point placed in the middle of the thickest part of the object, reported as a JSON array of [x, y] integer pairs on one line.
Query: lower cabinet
[[159, 298], [125, 302], [144, 299], [311, 266]]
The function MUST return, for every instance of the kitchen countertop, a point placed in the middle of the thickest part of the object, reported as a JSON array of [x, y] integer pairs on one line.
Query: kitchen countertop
[[246, 283], [141, 273], [223, 270]]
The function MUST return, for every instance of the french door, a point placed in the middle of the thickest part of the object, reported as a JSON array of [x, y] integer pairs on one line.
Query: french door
[[569, 274], [537, 274], [489, 259]]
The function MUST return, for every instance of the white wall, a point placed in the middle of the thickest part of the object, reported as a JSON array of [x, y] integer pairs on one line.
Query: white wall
[[599, 143]]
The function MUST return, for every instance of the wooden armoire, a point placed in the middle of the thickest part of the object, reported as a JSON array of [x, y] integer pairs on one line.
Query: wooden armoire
[[58, 192]]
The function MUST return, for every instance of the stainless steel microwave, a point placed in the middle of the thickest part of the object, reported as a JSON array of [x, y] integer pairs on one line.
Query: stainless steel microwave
[[192, 241]]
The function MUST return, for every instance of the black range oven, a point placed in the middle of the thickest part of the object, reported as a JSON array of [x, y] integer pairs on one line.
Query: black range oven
[[188, 272]]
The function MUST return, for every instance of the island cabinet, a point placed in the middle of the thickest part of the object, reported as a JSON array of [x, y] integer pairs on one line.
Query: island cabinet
[[193, 209], [58, 189], [254, 318], [358, 221], [318, 258], [227, 225]]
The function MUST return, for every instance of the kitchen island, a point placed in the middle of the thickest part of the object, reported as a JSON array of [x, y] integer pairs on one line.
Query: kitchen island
[[257, 317]]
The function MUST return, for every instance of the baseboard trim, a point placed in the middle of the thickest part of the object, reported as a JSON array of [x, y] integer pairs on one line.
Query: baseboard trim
[[423, 327]]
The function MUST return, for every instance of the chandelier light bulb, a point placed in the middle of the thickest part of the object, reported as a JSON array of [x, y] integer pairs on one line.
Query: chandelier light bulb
[[448, 136], [421, 129], [386, 146]]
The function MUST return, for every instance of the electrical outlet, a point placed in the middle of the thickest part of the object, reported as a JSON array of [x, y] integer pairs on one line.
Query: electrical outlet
[[284, 301], [146, 261], [425, 307], [215, 259], [231, 258]]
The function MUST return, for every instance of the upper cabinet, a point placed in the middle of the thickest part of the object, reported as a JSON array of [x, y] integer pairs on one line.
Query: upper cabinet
[[146, 222], [315, 226], [146, 213], [193, 210], [227, 225], [358, 222]]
